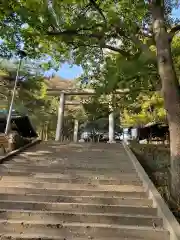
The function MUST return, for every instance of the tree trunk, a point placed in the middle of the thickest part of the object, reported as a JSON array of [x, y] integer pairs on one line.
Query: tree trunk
[[170, 91]]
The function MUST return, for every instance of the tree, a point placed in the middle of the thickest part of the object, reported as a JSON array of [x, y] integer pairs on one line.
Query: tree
[[80, 30], [147, 108], [136, 104], [170, 87], [31, 95]]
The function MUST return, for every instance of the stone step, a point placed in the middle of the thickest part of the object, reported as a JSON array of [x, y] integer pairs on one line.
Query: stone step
[[89, 153], [90, 231], [63, 217], [72, 186], [45, 169], [76, 165], [66, 174], [72, 192], [69, 164], [74, 156], [77, 199], [73, 160], [33, 236], [74, 179], [77, 207], [77, 181], [78, 148], [80, 154]]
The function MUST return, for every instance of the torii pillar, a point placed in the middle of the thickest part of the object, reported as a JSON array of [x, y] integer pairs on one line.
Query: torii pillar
[[76, 128], [59, 128], [111, 120], [111, 128]]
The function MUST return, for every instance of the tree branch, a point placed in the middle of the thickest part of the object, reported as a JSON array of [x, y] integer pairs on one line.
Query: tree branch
[[81, 44], [126, 54], [173, 32], [98, 25], [115, 49], [76, 32], [96, 6], [85, 9], [101, 37]]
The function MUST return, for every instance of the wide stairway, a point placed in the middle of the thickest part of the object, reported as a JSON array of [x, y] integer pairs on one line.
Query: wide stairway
[[75, 192]]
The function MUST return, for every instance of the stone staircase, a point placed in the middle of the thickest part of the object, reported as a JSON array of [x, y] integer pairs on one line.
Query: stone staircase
[[75, 192]]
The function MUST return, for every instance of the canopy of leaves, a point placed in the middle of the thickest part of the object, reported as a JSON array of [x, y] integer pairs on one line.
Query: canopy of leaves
[[78, 30], [82, 31], [148, 108], [143, 103]]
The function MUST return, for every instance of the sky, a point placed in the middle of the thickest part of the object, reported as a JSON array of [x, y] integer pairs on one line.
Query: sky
[[176, 12], [70, 72]]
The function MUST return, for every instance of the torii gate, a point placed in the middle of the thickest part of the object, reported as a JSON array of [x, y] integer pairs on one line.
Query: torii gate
[[78, 92]]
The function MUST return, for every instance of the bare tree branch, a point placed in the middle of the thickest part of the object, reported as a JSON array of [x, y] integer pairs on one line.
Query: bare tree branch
[[173, 32]]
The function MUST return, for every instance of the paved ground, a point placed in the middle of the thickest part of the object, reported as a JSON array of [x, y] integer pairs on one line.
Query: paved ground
[[75, 191]]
